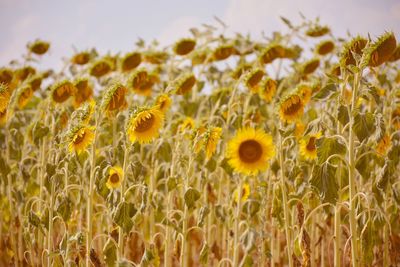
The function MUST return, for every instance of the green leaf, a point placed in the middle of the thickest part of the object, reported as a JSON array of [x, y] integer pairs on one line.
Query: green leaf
[[110, 253], [172, 183], [343, 115], [364, 125], [386, 174], [39, 131], [204, 211], [327, 146], [191, 196], [325, 92], [323, 180], [123, 215], [380, 127]]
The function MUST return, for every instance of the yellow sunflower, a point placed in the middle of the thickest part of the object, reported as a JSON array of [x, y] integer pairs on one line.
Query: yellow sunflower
[[305, 91], [308, 148], [211, 141], [115, 177], [291, 108], [6, 76], [142, 82], [101, 67], [81, 58], [144, 124], [186, 124], [250, 150], [253, 78], [268, 89], [184, 83], [79, 138], [245, 193], [184, 46], [163, 102], [325, 47], [4, 97], [39, 47], [130, 61], [61, 91]]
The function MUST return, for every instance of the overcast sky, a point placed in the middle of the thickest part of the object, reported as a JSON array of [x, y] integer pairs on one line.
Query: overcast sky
[[111, 25]]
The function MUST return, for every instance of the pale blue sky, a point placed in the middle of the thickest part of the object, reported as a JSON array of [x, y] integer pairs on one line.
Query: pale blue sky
[[116, 25]]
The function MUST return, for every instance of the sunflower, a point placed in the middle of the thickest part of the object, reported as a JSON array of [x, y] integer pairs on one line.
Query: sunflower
[[101, 67], [130, 61], [144, 124], [317, 31], [245, 193], [6, 76], [184, 83], [291, 107], [325, 47], [25, 72], [115, 177], [223, 52], [268, 89], [309, 66], [299, 129], [85, 112], [272, 52], [81, 58], [39, 47], [381, 51], [184, 46], [80, 137], [84, 91], [208, 139], [163, 102], [253, 78], [35, 81], [24, 95], [186, 124], [142, 82], [114, 98], [61, 91], [355, 46], [383, 145], [308, 147], [249, 151]]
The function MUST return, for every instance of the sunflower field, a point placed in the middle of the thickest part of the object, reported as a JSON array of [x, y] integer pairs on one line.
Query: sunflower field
[[216, 150]]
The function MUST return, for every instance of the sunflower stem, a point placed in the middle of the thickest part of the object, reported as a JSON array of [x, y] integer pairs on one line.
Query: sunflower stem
[[236, 227], [50, 232], [285, 205], [123, 185], [352, 174]]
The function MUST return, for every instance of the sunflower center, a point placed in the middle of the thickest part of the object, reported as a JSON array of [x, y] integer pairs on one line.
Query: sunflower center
[[250, 151], [145, 124], [294, 107], [79, 138], [114, 178], [311, 144]]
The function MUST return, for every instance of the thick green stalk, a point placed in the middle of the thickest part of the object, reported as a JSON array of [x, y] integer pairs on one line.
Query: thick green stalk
[[352, 176]]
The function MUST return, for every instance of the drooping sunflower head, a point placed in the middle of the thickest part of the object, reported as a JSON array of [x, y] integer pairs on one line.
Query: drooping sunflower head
[[308, 148], [272, 52], [142, 82], [114, 98], [6, 76], [35, 81], [130, 61], [381, 51], [79, 138], [184, 46], [144, 124], [211, 138], [317, 30], [61, 91], [268, 89], [39, 47], [83, 114], [325, 47], [184, 83], [223, 51], [186, 124], [309, 66], [250, 150], [101, 67], [245, 193], [253, 78], [81, 58], [355, 46], [25, 72], [24, 95], [291, 107], [84, 91], [115, 177], [163, 102]]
